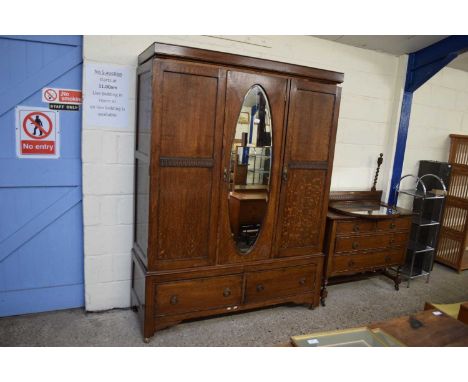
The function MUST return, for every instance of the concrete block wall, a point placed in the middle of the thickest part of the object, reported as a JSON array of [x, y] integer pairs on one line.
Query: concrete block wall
[[107, 154], [367, 126], [440, 108]]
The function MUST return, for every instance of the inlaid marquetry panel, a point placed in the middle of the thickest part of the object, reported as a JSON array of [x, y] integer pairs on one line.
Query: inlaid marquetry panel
[[185, 162], [302, 209]]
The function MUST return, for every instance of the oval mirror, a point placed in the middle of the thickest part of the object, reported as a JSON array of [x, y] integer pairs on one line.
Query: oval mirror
[[250, 169]]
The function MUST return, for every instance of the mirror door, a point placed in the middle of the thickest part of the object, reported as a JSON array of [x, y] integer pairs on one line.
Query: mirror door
[[252, 141], [249, 170]]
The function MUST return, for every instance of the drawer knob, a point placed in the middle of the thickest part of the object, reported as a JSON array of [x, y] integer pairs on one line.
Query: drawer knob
[[226, 292], [302, 281], [174, 300], [260, 287], [351, 263], [355, 245], [356, 228], [392, 225]]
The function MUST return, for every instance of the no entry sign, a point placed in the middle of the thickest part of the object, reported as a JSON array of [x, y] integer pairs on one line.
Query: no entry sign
[[37, 133]]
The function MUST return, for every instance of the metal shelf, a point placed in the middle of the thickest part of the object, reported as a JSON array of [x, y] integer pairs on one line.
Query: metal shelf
[[418, 247], [420, 194], [405, 272], [422, 222]]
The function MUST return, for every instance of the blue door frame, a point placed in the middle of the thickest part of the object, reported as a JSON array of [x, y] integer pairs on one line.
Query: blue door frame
[[422, 65], [41, 222]]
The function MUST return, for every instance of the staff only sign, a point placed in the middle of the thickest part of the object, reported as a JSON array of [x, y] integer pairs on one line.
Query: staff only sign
[[37, 133]]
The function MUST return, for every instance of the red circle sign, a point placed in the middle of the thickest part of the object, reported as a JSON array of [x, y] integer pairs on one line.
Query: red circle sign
[[50, 95], [31, 120]]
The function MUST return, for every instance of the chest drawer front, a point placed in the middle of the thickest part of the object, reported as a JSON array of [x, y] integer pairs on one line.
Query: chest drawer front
[[377, 259], [199, 294], [341, 264], [267, 285], [355, 226], [347, 244], [363, 261], [399, 238], [394, 224]]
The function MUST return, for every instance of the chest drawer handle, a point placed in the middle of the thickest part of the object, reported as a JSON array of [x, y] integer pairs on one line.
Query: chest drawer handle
[[260, 287], [355, 245], [174, 300], [351, 263], [226, 292], [356, 228], [392, 225], [302, 281]]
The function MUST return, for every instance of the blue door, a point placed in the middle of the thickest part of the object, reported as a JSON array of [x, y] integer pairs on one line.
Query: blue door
[[41, 222]]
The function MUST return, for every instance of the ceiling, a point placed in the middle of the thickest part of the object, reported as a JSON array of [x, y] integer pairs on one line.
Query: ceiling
[[397, 45]]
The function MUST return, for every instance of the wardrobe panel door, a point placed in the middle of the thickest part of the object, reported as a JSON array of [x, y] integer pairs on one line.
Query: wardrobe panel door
[[237, 199], [311, 121], [188, 115], [186, 148], [184, 213], [307, 166]]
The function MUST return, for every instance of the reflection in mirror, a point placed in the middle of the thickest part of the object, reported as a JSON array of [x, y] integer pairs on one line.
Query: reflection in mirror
[[250, 169]]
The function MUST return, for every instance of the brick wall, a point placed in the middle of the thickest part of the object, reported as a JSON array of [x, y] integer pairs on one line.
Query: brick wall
[[367, 126]]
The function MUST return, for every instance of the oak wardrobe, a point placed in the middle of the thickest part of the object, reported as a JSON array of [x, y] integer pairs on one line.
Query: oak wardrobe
[[233, 161]]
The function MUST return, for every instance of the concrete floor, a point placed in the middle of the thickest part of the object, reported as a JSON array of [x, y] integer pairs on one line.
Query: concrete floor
[[348, 305]]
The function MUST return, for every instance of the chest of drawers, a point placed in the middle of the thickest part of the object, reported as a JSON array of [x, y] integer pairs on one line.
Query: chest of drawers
[[356, 245]]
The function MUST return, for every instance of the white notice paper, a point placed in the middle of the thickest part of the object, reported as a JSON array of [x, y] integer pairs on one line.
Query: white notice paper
[[106, 94]]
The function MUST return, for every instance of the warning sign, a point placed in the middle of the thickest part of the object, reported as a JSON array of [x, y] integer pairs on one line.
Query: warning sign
[[63, 96], [37, 133], [50, 95]]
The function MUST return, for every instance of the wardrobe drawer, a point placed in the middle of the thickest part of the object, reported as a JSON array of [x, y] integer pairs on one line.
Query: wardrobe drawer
[[356, 226], [267, 285], [346, 244], [394, 224], [199, 294]]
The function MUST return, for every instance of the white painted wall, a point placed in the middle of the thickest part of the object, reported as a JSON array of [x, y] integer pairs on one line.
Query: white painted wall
[[367, 126], [440, 108]]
